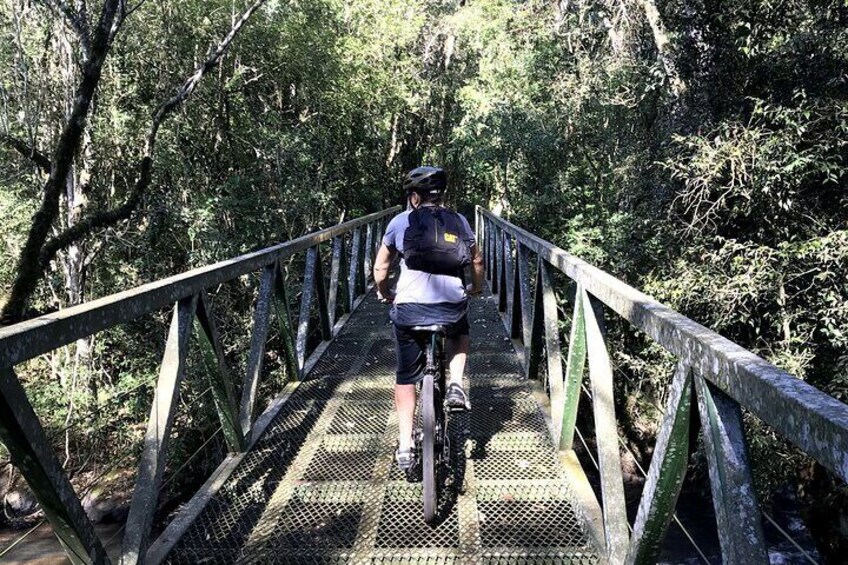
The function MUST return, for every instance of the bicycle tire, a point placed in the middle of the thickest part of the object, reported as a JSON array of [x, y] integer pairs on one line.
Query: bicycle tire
[[428, 449]]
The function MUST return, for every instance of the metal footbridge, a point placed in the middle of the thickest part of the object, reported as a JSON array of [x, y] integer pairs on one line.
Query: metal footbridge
[[321, 486], [310, 427]]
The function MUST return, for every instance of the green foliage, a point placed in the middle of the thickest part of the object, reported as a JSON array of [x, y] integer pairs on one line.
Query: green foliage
[[16, 209], [783, 166]]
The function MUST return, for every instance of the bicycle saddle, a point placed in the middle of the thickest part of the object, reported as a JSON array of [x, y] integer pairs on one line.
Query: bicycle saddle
[[435, 328]]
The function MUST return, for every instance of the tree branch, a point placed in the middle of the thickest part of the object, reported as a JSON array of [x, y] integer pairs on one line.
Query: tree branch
[[97, 220], [75, 19], [138, 5], [119, 19], [38, 250], [664, 49], [85, 226], [41, 160], [192, 81], [29, 269]]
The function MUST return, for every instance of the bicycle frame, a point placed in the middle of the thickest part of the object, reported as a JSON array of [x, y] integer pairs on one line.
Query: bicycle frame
[[435, 360]]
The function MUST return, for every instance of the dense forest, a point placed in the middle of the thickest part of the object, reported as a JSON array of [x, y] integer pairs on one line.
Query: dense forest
[[696, 149]]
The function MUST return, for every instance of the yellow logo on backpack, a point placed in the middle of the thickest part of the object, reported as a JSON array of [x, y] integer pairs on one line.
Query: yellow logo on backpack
[[450, 237]]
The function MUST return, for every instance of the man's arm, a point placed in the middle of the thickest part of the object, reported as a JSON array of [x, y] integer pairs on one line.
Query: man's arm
[[476, 270], [381, 270]]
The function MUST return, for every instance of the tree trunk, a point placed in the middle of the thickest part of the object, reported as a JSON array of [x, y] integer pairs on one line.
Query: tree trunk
[[393, 150], [38, 251], [665, 51], [31, 262]]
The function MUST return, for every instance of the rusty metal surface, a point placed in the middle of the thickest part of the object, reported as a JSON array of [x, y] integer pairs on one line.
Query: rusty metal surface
[[320, 486]]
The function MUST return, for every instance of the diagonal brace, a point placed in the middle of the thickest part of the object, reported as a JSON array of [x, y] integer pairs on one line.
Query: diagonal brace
[[23, 436], [152, 462]]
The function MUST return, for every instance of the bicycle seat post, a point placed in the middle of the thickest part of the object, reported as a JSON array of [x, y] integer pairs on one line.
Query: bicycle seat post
[[438, 332]]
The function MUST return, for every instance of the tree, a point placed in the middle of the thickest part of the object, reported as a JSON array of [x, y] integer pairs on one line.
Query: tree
[[94, 47]]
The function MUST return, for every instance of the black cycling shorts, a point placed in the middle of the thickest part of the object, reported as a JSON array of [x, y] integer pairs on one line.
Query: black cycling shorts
[[411, 348]]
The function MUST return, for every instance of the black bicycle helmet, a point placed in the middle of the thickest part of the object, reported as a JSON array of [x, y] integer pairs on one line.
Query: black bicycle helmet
[[426, 180]]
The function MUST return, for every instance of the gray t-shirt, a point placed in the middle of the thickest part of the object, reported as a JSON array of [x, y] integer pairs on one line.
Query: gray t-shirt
[[443, 295]]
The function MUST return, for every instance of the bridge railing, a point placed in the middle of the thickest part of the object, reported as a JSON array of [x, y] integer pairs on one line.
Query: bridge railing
[[718, 375], [353, 247]]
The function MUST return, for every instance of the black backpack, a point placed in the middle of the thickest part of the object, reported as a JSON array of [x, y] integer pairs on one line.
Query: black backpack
[[433, 242]]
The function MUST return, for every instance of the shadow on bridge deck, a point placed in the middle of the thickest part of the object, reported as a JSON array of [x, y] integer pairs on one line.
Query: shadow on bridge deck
[[320, 486]]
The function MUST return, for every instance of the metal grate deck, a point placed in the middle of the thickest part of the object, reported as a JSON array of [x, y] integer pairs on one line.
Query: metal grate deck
[[320, 487]]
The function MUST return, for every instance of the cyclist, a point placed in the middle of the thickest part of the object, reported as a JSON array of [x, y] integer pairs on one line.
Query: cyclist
[[423, 299]]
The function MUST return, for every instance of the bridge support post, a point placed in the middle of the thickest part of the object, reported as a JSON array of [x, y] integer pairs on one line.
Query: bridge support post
[[533, 356], [219, 376], [666, 474], [258, 340], [547, 313], [156, 439], [313, 280], [497, 250], [516, 331], [505, 274], [32, 454], [502, 267], [354, 276], [321, 290], [737, 509], [368, 256], [491, 232], [575, 366], [487, 248], [479, 229], [524, 301], [335, 279], [284, 323], [606, 432]]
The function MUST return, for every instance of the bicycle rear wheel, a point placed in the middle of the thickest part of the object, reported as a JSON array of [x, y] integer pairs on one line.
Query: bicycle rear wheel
[[428, 449]]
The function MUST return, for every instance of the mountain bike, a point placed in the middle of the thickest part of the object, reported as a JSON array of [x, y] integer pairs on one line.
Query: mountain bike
[[432, 442]]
